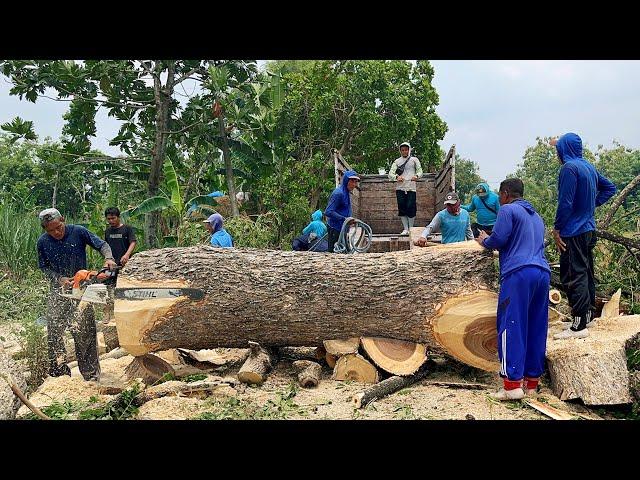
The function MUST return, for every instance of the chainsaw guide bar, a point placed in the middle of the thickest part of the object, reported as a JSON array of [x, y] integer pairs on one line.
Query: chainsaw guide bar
[[150, 293]]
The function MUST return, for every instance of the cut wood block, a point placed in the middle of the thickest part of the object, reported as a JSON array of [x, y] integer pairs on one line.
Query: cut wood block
[[259, 363], [395, 356], [309, 373], [341, 347], [356, 368], [612, 307], [330, 359], [594, 368]]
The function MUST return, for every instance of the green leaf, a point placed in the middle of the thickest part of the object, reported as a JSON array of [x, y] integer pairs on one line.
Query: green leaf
[[149, 205], [172, 182], [20, 129]]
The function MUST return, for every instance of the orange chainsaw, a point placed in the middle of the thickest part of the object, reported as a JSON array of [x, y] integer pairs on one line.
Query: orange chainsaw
[[90, 285]]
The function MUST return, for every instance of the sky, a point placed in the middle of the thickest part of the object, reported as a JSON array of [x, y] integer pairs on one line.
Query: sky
[[494, 109]]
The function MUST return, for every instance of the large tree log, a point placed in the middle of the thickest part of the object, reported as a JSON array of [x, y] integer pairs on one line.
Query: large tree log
[[281, 298], [594, 368]]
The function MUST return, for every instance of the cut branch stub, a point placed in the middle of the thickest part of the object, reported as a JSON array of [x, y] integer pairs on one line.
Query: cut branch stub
[[149, 367], [554, 296], [257, 366], [356, 368], [466, 327], [395, 356], [340, 347], [309, 373]]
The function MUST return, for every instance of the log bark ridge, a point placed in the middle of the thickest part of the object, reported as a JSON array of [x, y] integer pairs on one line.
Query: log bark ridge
[[279, 298]]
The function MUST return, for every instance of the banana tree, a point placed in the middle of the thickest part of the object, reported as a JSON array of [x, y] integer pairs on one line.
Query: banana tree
[[174, 203]]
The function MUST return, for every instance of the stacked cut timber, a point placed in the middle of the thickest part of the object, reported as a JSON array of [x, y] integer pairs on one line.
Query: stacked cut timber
[[441, 297]]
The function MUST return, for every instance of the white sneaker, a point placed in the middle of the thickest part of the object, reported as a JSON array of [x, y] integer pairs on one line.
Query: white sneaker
[[571, 334], [515, 394], [592, 323], [404, 232]]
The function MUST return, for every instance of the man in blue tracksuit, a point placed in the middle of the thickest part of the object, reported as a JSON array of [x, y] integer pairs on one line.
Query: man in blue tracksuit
[[523, 302], [581, 188], [339, 206], [487, 204]]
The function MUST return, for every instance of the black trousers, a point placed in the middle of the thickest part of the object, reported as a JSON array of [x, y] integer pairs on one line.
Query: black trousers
[[576, 272], [333, 238], [476, 227], [406, 203]]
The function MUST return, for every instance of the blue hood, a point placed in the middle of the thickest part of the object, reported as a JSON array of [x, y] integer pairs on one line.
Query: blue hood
[[569, 147], [486, 187], [339, 205], [316, 216]]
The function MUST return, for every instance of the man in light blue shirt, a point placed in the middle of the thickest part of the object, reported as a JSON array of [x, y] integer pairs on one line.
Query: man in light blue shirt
[[219, 236], [453, 222]]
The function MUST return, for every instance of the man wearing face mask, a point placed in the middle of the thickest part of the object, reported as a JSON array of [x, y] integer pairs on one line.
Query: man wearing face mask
[[453, 222], [486, 203]]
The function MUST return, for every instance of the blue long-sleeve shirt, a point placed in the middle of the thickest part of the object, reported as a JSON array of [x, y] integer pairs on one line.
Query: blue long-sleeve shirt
[[339, 205], [519, 237], [63, 258], [581, 188], [485, 216]]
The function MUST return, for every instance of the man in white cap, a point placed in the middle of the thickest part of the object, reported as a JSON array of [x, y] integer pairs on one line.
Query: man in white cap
[[453, 222], [405, 170], [61, 253]]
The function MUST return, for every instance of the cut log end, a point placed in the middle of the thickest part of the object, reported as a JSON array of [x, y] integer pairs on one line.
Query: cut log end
[[356, 368], [309, 373], [150, 368], [554, 296], [395, 356], [466, 327], [255, 369], [341, 347]]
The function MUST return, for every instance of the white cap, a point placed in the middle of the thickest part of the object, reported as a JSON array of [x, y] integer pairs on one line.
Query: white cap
[[49, 214]]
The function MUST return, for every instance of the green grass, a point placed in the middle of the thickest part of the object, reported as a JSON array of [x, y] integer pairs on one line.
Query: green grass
[[281, 408], [19, 232]]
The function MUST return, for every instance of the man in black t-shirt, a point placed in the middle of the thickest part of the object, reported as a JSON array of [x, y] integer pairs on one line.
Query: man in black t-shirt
[[121, 238]]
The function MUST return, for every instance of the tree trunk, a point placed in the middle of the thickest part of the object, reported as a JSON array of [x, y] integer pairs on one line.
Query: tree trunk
[[282, 298], [228, 168], [594, 368], [162, 97], [606, 221]]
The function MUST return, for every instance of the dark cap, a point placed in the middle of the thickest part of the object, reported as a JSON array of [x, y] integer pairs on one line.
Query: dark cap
[[451, 198]]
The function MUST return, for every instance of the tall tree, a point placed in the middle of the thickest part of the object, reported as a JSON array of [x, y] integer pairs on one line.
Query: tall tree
[[139, 93]]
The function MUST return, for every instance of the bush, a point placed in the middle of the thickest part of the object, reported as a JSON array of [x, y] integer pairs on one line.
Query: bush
[[259, 234]]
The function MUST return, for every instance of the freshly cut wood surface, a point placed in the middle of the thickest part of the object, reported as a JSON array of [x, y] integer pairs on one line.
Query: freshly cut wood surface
[[356, 368], [343, 346], [397, 357]]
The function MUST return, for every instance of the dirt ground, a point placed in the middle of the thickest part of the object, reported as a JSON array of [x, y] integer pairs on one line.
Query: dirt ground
[[331, 400]]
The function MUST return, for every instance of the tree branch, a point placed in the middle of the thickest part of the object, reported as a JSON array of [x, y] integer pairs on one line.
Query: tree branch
[[628, 242], [169, 132], [606, 221]]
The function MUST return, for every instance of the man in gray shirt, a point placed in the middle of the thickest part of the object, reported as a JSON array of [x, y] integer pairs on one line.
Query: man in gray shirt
[[411, 170]]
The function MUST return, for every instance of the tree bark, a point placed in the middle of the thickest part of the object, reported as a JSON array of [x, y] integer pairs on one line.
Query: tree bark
[[282, 298], [612, 237], [162, 96], [226, 154], [309, 373]]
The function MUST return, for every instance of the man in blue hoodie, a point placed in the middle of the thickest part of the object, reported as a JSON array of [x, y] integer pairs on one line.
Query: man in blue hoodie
[[523, 303], [487, 204], [581, 188], [219, 236], [339, 206]]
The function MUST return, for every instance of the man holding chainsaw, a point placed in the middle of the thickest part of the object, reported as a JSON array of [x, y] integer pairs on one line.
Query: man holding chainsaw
[[62, 253]]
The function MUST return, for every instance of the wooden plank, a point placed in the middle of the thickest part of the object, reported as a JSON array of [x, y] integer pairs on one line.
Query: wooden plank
[[548, 410]]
